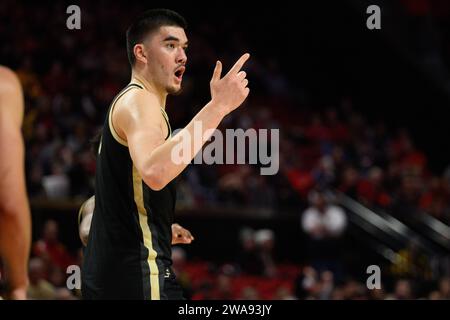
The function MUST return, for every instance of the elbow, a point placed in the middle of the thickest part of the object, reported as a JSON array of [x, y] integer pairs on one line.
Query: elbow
[[154, 179]]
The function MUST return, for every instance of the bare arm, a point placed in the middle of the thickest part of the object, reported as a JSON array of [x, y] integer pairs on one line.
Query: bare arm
[[15, 221], [140, 125], [85, 219]]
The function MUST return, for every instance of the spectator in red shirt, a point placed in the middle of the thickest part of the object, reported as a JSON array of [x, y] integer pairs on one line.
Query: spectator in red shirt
[[51, 249], [370, 190]]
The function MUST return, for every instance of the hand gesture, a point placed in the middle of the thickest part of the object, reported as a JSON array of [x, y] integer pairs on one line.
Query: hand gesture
[[230, 91]]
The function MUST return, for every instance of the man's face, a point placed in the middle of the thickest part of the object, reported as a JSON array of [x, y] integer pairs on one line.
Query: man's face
[[166, 56]]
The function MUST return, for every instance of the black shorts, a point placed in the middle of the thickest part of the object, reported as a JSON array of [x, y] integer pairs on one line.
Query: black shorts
[[171, 290]]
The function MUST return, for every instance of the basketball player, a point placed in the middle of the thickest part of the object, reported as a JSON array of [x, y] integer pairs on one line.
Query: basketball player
[[15, 221], [128, 254], [180, 235]]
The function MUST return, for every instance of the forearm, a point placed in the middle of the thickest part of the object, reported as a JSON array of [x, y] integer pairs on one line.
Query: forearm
[[15, 219], [168, 160], [15, 240]]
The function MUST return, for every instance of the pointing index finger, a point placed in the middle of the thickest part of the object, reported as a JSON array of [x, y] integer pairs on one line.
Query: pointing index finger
[[238, 65]]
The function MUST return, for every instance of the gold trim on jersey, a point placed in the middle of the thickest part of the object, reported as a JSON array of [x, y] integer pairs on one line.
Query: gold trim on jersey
[[100, 146], [147, 234], [111, 126], [169, 128], [110, 122], [80, 212]]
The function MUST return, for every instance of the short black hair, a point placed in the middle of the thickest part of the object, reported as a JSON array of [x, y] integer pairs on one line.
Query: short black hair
[[149, 22]]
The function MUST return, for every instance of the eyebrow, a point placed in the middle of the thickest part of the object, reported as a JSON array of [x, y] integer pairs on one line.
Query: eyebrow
[[172, 38]]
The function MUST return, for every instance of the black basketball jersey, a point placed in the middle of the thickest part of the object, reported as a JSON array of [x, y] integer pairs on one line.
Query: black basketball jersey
[[129, 246]]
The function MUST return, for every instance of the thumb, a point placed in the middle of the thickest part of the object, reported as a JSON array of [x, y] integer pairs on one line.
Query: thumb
[[217, 71]]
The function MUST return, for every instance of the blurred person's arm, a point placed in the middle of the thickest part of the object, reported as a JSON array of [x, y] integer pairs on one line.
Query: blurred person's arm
[[140, 125], [180, 235], [15, 220]]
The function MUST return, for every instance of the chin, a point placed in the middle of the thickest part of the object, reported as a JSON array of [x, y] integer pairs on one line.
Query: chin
[[174, 90]]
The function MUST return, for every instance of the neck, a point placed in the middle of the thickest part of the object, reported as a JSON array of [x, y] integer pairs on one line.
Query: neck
[[150, 86]]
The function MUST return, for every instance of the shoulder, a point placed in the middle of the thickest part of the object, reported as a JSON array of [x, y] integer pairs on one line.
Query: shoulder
[[7, 74], [9, 82], [136, 105], [139, 99]]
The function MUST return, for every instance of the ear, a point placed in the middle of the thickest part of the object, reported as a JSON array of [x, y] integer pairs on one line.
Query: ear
[[139, 53]]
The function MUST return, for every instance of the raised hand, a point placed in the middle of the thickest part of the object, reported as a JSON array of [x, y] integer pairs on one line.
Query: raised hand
[[230, 91]]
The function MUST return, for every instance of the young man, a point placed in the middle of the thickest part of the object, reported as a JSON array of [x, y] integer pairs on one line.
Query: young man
[[128, 255], [15, 220]]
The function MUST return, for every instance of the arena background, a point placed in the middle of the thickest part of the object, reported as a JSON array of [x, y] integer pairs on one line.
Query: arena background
[[363, 125]]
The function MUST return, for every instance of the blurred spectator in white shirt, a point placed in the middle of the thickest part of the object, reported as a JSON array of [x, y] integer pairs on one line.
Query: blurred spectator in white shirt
[[324, 225], [322, 220]]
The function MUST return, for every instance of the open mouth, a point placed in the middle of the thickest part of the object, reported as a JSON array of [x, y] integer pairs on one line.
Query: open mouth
[[179, 73]]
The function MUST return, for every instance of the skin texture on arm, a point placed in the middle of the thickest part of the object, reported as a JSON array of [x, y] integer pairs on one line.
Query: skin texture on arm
[[15, 220], [138, 120]]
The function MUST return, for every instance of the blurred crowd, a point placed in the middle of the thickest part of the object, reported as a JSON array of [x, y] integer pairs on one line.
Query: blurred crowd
[[69, 81], [255, 273]]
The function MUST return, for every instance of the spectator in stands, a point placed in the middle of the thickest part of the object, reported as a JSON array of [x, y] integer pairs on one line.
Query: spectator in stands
[[283, 293], [56, 184], [306, 283], [249, 293], [337, 294], [412, 262], [354, 290], [223, 288], [403, 290], [377, 294], [248, 258], [51, 249], [444, 288], [324, 224], [326, 285], [435, 199], [40, 288], [64, 294], [179, 261], [349, 182], [434, 295], [370, 190], [405, 205], [265, 241]]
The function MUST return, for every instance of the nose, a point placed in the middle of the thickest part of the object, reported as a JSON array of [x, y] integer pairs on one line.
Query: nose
[[181, 58]]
